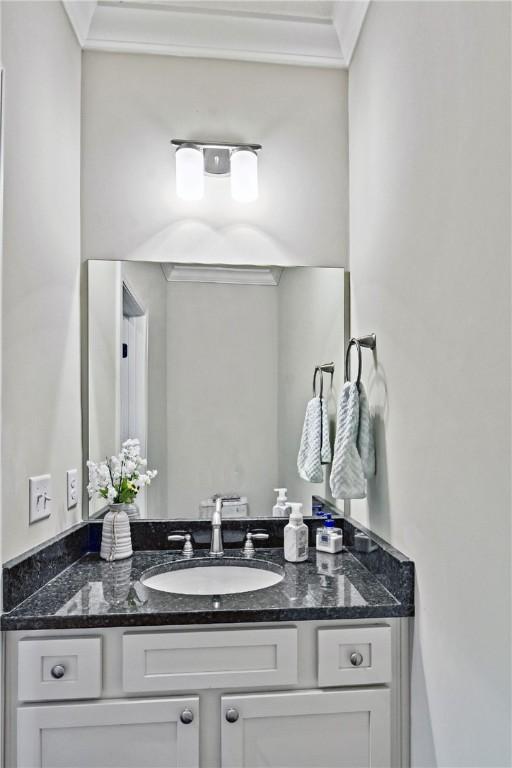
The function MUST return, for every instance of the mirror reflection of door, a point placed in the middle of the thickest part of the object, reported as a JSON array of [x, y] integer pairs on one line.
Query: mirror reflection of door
[[134, 376]]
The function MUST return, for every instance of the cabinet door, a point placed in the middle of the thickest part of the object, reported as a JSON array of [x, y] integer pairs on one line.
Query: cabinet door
[[327, 729], [110, 734]]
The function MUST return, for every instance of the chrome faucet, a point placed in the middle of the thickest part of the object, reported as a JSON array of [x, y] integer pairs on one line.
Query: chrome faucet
[[216, 544]]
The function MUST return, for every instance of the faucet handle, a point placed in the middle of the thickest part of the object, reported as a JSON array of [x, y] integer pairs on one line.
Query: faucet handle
[[188, 549], [249, 546]]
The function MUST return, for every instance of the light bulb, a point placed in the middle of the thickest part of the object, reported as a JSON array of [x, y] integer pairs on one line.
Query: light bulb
[[189, 173], [244, 175]]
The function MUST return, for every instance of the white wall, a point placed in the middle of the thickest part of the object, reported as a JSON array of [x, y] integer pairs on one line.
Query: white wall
[[429, 105], [133, 105], [222, 404], [41, 335], [311, 332]]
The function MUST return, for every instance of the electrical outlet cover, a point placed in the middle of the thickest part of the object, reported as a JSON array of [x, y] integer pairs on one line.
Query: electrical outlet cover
[[72, 487], [40, 496]]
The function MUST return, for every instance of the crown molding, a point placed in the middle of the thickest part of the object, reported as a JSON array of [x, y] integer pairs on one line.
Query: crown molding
[[227, 31], [80, 13], [348, 20], [226, 54], [216, 273], [207, 33]]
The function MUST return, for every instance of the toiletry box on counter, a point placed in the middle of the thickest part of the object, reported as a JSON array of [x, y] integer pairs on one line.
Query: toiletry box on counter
[[311, 693]]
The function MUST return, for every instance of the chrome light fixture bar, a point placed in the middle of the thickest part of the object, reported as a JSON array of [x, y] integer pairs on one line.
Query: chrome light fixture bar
[[196, 158]]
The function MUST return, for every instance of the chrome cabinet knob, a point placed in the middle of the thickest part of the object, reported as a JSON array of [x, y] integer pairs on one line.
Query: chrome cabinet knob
[[232, 715], [58, 671], [187, 716], [356, 659]]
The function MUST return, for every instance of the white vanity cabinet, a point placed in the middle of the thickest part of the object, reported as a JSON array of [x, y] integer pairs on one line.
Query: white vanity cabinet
[[317, 694], [110, 734], [303, 729]]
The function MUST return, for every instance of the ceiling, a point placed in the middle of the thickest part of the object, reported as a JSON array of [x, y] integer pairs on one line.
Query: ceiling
[[302, 32]]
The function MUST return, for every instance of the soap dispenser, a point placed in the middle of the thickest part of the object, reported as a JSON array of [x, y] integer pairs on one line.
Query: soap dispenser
[[296, 536], [329, 538], [282, 506]]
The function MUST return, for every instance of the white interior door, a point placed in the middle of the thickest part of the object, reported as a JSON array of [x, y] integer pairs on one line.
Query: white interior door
[[110, 734], [302, 729], [134, 377]]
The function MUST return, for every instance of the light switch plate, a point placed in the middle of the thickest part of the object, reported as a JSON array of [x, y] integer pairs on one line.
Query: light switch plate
[[72, 487], [40, 497]]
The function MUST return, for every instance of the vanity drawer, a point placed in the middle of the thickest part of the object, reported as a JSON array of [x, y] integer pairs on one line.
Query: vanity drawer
[[354, 656], [234, 658], [59, 668]]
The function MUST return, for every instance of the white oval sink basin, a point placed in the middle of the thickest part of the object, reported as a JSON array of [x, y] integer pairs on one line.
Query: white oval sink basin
[[222, 578]]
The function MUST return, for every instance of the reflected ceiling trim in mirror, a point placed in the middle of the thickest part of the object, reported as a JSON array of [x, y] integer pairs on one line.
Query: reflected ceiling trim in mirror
[[218, 273]]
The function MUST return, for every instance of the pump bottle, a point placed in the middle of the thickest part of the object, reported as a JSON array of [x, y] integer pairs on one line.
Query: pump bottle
[[296, 536], [282, 506]]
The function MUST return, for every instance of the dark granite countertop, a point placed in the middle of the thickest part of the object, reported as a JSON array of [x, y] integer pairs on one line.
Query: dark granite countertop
[[93, 593]]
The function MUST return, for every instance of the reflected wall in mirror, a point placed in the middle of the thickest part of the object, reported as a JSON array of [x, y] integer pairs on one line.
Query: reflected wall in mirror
[[211, 368]]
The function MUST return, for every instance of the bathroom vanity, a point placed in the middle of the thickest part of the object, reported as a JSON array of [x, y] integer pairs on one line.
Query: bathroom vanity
[[246, 661], [104, 671], [280, 694]]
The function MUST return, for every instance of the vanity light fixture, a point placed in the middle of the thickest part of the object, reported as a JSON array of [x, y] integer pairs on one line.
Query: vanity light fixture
[[196, 158], [244, 175], [189, 172]]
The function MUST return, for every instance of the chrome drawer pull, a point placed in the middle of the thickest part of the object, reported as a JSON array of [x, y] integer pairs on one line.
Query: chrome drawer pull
[[356, 659], [187, 716], [58, 671], [232, 715]]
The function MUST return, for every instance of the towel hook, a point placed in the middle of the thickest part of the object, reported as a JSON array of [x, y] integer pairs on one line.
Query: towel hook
[[357, 345], [369, 342], [318, 370], [324, 368]]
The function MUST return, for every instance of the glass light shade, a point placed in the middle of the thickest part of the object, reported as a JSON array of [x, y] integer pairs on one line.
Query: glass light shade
[[189, 173], [244, 175]]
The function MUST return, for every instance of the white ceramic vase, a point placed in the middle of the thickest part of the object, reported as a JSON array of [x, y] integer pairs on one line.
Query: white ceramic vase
[[132, 510], [116, 539]]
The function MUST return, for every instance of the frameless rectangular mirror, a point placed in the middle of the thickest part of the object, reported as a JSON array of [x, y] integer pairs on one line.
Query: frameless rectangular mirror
[[210, 368]]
